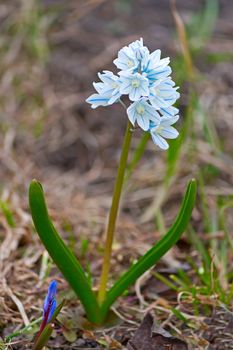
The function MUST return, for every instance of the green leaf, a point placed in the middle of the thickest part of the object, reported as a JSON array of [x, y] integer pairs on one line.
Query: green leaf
[[59, 252], [43, 338], [8, 214], [156, 252]]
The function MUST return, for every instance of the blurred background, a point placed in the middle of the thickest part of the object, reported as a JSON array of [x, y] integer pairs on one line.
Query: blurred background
[[50, 53]]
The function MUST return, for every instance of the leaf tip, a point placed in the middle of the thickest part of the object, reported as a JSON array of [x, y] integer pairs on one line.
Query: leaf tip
[[35, 184], [193, 182]]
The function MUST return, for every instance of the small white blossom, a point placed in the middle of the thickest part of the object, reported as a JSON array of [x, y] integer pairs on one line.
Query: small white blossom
[[110, 85], [142, 113], [139, 49], [135, 85], [108, 90], [163, 93], [155, 68], [126, 59], [164, 130]]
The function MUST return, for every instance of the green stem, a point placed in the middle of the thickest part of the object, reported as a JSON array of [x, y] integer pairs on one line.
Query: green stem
[[113, 213]]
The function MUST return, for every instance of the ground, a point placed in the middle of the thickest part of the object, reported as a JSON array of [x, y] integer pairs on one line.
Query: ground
[[50, 54]]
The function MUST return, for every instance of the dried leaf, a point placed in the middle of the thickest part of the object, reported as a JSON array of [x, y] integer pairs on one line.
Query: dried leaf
[[150, 337], [70, 335]]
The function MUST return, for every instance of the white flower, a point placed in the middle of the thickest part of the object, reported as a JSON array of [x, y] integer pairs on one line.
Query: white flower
[[139, 49], [142, 113], [163, 131], [135, 85], [163, 93], [110, 85], [145, 78], [126, 59], [108, 90], [155, 68]]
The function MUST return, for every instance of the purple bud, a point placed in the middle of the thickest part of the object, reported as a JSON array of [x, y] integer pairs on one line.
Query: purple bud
[[49, 306], [52, 309], [50, 302]]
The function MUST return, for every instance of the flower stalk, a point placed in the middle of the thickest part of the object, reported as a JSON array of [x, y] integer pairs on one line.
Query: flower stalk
[[145, 78], [71, 268], [113, 213]]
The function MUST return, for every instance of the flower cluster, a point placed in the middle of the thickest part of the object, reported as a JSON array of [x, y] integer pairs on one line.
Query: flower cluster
[[145, 78]]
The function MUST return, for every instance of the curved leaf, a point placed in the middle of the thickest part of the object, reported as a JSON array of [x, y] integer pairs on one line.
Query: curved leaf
[[59, 252], [156, 252], [44, 337]]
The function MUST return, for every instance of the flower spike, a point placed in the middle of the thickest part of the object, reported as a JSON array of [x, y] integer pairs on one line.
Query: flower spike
[[145, 78]]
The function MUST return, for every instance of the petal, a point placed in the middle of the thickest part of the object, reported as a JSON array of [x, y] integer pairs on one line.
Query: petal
[[156, 83], [172, 99], [52, 309], [169, 111], [155, 56], [153, 115], [97, 100], [151, 61], [169, 132], [159, 73], [158, 102], [46, 305], [165, 121], [169, 82], [125, 74], [163, 62], [143, 122], [125, 89], [99, 87], [166, 91], [134, 94], [106, 77], [144, 88], [159, 141], [132, 114], [115, 96], [118, 63], [154, 103], [125, 86], [52, 289]]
